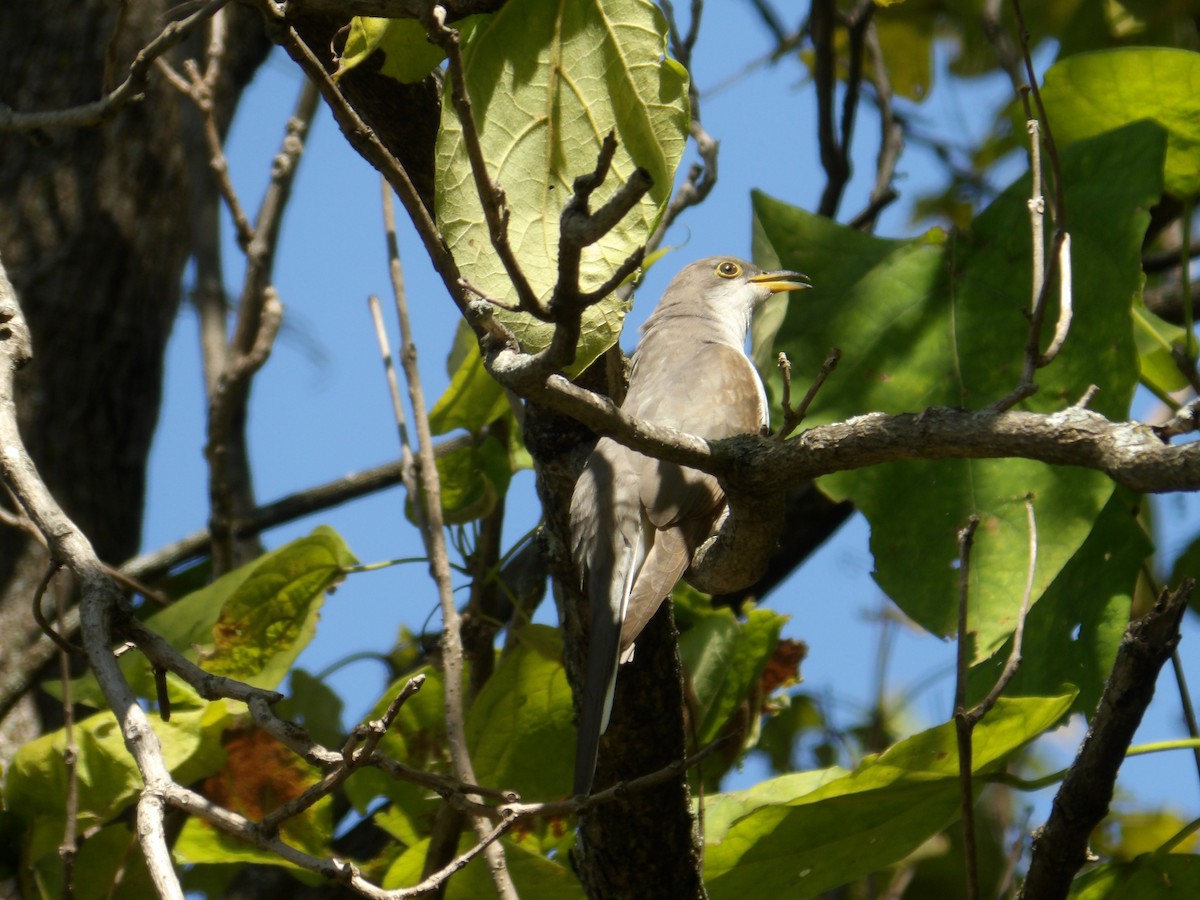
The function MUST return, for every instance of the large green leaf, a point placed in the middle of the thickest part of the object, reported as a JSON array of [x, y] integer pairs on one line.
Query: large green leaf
[[1072, 634], [474, 398], [1091, 93], [548, 80], [520, 729], [35, 787], [940, 320], [822, 832]]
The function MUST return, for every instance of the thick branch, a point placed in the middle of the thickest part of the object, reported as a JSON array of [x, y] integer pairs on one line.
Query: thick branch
[[755, 471], [1060, 846]]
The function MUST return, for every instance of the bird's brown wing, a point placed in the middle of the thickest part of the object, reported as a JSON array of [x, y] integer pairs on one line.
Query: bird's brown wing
[[714, 394], [680, 503]]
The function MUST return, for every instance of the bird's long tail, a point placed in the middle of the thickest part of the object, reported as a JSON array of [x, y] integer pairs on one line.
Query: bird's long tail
[[609, 603]]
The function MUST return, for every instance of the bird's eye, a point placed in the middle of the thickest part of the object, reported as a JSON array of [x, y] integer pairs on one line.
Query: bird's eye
[[729, 269]]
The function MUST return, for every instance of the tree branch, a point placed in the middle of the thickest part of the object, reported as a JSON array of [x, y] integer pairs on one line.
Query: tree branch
[[1060, 846]]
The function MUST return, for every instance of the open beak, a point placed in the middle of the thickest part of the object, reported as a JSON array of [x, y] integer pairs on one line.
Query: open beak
[[778, 282]]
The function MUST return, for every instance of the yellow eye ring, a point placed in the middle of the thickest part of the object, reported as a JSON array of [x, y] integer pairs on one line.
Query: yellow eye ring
[[728, 269]]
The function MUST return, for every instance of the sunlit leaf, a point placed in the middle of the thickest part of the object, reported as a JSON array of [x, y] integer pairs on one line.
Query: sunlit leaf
[[817, 832], [1149, 877], [548, 81], [1155, 337], [1095, 92], [108, 778], [1072, 635]]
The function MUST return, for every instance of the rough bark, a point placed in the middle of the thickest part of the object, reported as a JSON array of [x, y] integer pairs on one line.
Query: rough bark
[[93, 240]]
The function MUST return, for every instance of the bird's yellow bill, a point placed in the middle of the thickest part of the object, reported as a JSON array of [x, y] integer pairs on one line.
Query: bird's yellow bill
[[777, 282]]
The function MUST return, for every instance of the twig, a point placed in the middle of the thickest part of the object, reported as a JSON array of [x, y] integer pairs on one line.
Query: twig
[[427, 509], [407, 471], [834, 141], [1153, 263], [793, 417], [891, 135], [1006, 52], [358, 750], [59, 636], [1185, 420], [1039, 129], [258, 320], [966, 538], [1066, 294], [1059, 211], [702, 176], [1060, 846], [130, 89]]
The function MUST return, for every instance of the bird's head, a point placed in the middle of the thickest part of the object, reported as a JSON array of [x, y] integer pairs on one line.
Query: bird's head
[[725, 291]]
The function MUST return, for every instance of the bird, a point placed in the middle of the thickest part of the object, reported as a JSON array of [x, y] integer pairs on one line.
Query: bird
[[635, 520]]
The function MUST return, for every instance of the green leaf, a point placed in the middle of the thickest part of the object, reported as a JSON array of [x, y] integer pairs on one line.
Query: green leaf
[[108, 865], [472, 479], [816, 834], [521, 729], [906, 39], [314, 706], [1095, 92], [940, 320], [1155, 337], [408, 55], [726, 659], [474, 399], [548, 81], [1072, 634], [108, 779], [1149, 877], [272, 614]]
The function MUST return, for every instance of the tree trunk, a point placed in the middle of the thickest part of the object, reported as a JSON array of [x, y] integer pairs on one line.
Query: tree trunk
[[94, 242]]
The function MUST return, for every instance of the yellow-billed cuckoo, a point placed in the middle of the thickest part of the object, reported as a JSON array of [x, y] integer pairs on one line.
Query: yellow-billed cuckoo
[[635, 520]]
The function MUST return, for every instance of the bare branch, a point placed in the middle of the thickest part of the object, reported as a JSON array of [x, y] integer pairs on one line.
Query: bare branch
[[1060, 846], [107, 106], [427, 507], [793, 417]]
